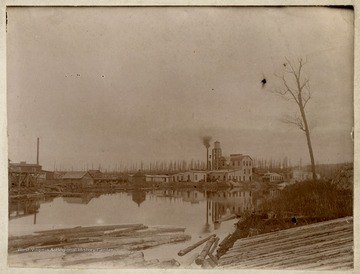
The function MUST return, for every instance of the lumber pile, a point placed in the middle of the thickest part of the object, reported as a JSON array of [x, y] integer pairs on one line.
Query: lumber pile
[[320, 246], [117, 246]]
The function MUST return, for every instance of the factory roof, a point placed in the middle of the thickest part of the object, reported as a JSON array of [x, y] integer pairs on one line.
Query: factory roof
[[75, 175]]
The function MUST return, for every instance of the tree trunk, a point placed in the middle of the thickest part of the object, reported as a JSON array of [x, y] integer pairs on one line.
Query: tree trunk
[[308, 139]]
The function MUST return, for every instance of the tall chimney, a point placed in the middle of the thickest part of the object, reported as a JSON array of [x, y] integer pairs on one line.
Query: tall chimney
[[37, 153], [207, 158]]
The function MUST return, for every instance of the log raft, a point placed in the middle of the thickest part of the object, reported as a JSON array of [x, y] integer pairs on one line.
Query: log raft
[[108, 246]]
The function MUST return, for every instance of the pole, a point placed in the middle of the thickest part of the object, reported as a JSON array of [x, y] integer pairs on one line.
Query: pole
[[37, 153]]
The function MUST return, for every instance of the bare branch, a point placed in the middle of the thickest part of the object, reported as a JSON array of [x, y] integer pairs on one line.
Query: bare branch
[[305, 100], [306, 81], [288, 89], [294, 121]]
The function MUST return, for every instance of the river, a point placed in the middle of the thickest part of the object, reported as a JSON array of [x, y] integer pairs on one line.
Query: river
[[200, 212]]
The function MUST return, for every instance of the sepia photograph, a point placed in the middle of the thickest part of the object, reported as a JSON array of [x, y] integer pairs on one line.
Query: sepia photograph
[[180, 137]]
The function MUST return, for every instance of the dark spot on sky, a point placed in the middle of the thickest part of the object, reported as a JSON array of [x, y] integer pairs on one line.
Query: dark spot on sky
[[263, 81], [102, 76]]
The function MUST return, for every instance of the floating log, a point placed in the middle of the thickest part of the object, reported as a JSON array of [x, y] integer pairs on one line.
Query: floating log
[[161, 241], [106, 245], [155, 231], [88, 228], [192, 247], [35, 240], [116, 233], [200, 259]]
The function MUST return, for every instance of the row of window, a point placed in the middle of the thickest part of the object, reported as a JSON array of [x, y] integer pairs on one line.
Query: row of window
[[245, 163], [238, 178]]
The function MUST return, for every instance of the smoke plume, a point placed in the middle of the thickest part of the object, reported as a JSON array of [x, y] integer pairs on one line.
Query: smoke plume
[[206, 141]]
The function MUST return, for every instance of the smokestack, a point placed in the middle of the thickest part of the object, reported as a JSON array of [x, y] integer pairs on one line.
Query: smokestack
[[207, 158], [37, 153], [206, 142]]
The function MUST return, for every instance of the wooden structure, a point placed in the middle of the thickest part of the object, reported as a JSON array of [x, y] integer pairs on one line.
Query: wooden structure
[[23, 174], [320, 246], [82, 178]]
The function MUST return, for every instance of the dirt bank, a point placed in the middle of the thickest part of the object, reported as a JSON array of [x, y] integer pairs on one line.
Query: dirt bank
[[260, 224]]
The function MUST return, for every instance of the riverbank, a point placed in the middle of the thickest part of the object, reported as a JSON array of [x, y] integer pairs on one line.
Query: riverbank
[[297, 205], [59, 188]]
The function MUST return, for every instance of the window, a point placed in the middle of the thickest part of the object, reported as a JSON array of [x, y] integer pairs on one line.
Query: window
[[243, 178], [195, 177]]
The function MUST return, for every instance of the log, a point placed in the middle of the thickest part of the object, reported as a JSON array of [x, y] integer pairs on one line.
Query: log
[[213, 258], [157, 231], [192, 247], [161, 241], [88, 228], [217, 239], [208, 264], [35, 240], [122, 232], [225, 239], [201, 257]]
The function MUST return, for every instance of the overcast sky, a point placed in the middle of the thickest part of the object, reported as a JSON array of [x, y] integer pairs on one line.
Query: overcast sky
[[113, 86]]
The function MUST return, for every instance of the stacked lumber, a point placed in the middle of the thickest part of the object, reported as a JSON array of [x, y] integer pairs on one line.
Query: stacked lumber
[[93, 246], [320, 246]]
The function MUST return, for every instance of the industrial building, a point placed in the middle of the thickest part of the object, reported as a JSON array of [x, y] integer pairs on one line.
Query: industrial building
[[82, 178]]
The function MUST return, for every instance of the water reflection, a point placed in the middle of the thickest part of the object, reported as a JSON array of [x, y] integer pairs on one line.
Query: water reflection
[[80, 199], [138, 196], [19, 208], [200, 211]]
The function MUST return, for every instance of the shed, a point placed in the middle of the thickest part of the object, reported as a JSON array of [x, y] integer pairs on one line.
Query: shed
[[79, 177]]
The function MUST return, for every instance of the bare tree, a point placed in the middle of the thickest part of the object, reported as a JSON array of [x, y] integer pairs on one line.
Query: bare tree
[[296, 88]]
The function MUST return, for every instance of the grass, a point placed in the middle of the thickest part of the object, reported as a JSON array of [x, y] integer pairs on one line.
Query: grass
[[299, 204], [320, 199]]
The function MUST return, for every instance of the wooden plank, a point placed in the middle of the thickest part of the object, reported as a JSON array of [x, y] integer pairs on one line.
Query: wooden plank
[[288, 261], [270, 241], [280, 238], [283, 245], [258, 252], [281, 254], [325, 245], [297, 230]]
